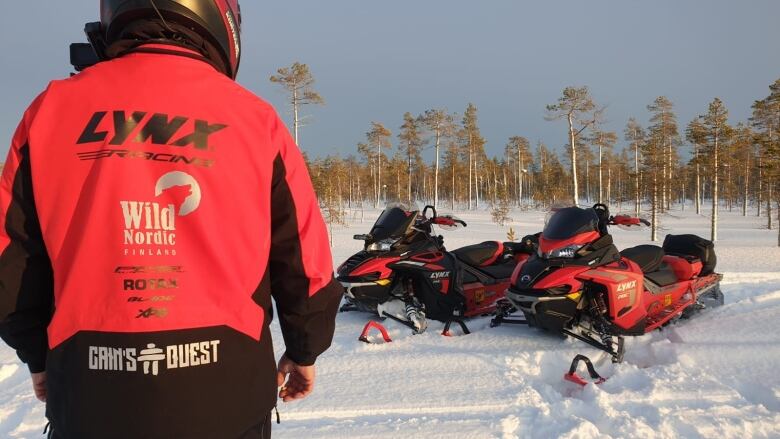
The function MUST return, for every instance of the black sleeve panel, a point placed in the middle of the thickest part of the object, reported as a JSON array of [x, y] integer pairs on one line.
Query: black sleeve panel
[[26, 276], [307, 321]]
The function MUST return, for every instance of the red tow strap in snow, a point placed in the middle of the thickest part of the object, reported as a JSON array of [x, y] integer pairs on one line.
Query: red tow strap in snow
[[377, 326], [574, 378]]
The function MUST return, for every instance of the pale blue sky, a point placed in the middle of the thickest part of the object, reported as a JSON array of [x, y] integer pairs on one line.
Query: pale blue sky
[[376, 60]]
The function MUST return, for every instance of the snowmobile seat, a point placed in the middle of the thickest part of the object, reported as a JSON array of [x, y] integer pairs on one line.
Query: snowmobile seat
[[648, 257], [501, 271], [663, 276], [480, 255]]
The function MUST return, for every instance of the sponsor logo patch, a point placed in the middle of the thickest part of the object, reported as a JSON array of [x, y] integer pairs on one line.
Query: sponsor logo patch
[[151, 359], [150, 226], [148, 313]]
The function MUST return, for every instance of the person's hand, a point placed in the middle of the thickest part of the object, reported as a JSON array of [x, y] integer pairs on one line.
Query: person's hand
[[39, 385], [300, 380]]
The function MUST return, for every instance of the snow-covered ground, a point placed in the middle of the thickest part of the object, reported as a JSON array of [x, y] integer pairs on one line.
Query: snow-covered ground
[[712, 377]]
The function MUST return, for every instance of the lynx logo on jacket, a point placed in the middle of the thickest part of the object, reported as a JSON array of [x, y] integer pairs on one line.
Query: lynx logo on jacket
[[150, 226], [152, 359]]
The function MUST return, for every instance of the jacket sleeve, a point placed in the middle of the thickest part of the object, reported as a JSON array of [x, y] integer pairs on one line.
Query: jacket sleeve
[[301, 267], [26, 278]]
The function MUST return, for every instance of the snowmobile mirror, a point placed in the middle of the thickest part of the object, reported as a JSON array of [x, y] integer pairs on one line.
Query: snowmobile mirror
[[361, 237]]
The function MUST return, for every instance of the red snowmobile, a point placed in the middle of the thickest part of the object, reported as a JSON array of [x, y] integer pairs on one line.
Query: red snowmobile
[[579, 285], [405, 273]]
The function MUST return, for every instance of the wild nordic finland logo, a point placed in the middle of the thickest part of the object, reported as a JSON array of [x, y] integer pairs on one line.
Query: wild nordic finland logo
[[150, 226]]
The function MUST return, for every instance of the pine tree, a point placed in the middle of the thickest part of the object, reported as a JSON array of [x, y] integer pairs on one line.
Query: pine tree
[[577, 107], [717, 130], [766, 121], [378, 137], [299, 82], [662, 133], [473, 145], [442, 126], [696, 134], [518, 153], [635, 134], [604, 141], [666, 135], [411, 140]]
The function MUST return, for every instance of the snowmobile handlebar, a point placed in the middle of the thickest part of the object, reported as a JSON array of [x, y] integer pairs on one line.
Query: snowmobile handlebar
[[446, 220]]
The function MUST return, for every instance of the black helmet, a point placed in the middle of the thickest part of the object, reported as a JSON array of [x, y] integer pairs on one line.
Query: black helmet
[[217, 21]]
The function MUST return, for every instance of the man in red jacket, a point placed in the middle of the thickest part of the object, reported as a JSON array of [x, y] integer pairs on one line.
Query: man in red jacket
[[152, 208]]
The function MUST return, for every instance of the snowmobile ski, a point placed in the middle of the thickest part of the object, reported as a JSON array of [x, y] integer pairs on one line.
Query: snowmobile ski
[[374, 325], [576, 379]]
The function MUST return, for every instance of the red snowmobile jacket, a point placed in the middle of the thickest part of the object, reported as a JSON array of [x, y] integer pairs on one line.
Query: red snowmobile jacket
[[152, 208]]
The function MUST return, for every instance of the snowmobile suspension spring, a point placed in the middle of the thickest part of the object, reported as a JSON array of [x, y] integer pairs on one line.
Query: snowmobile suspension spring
[[602, 305]]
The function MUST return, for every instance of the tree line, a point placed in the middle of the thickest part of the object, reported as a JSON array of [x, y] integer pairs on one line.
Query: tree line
[[643, 169], [729, 166]]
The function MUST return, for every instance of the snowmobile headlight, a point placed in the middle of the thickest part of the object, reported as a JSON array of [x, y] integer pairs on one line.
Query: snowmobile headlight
[[567, 252], [381, 246]]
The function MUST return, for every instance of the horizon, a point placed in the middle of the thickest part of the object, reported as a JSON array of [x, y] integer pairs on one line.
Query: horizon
[[370, 69]]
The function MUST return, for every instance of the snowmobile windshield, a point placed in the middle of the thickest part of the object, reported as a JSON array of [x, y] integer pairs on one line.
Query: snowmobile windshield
[[393, 223], [569, 222]]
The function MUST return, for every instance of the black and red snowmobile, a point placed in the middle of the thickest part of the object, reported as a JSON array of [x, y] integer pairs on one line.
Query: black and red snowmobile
[[405, 273], [579, 285]]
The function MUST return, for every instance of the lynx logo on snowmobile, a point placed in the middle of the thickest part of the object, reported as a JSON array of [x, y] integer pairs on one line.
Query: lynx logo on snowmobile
[[626, 290], [440, 275], [152, 224], [159, 128], [151, 358]]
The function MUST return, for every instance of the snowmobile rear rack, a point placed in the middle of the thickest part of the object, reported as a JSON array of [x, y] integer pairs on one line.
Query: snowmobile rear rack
[[375, 325], [574, 378]]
